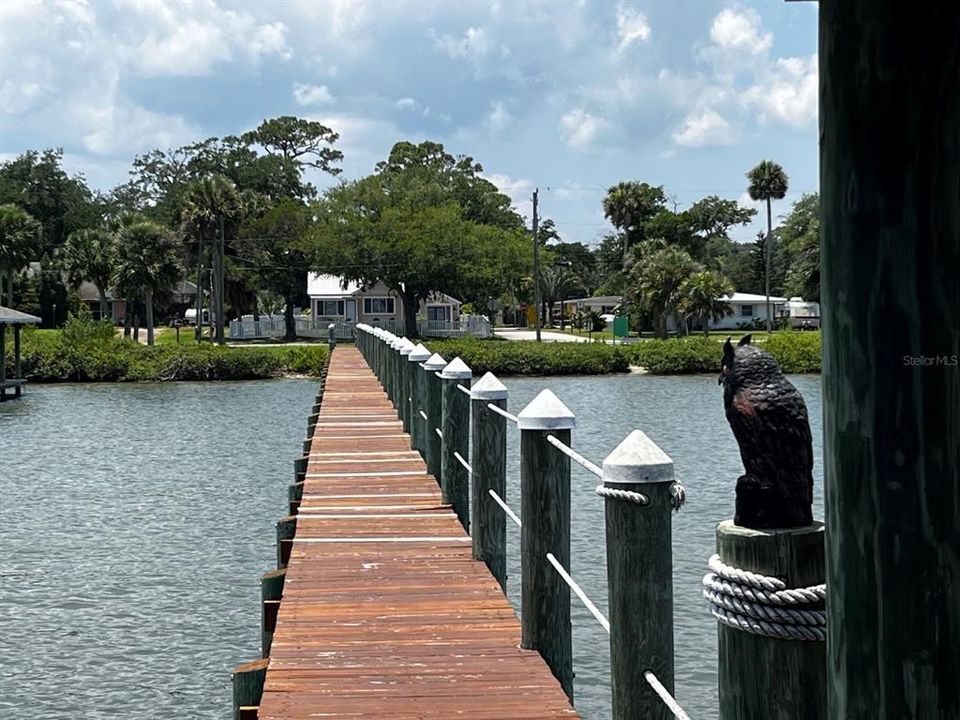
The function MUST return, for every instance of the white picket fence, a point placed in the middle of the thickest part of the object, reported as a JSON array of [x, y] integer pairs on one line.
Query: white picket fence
[[313, 327]]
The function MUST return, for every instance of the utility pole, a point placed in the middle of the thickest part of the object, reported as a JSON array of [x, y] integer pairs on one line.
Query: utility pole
[[536, 261], [220, 283], [198, 324]]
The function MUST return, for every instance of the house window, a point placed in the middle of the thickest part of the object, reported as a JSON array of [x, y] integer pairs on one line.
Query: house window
[[438, 313], [746, 311], [378, 306], [330, 308]]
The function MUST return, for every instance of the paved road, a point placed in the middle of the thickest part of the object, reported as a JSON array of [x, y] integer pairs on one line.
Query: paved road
[[545, 335]]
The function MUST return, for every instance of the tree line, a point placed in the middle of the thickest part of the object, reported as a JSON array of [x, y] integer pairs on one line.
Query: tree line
[[424, 220]]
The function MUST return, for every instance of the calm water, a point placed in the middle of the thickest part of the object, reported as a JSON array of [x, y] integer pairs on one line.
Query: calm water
[[137, 519]]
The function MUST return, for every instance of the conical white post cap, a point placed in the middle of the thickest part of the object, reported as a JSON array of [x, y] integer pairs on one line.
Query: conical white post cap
[[488, 388], [457, 369], [546, 412], [419, 354], [435, 362], [637, 459]]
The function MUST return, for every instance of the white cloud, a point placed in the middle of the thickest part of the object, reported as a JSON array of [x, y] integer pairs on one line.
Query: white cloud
[[126, 127], [306, 94], [631, 25], [788, 94], [519, 190], [407, 103], [704, 128], [739, 29], [475, 46], [498, 118], [580, 129]]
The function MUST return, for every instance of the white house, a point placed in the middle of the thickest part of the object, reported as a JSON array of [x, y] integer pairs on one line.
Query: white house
[[334, 300], [746, 308]]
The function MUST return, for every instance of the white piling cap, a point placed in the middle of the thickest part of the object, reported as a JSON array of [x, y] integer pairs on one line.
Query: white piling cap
[[488, 388], [419, 354], [546, 412], [638, 459], [435, 362], [457, 369], [405, 347]]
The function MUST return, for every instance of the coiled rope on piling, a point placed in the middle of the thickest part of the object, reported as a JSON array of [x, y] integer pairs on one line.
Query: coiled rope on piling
[[763, 605]]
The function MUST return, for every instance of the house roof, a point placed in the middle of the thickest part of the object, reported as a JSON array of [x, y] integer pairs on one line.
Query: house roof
[[752, 298], [9, 316], [329, 286]]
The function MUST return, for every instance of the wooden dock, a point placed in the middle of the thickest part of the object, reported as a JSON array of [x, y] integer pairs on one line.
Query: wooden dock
[[384, 612]]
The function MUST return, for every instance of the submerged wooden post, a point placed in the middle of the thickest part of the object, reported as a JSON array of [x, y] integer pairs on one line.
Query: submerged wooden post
[[488, 525], [248, 682], [455, 425], [545, 515], [271, 591], [639, 575], [418, 355], [286, 528], [433, 412], [890, 182], [763, 677]]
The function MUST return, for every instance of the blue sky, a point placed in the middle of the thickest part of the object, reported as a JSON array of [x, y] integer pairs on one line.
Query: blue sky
[[571, 97]]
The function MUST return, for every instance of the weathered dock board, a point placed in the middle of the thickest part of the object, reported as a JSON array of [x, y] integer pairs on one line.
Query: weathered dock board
[[384, 611]]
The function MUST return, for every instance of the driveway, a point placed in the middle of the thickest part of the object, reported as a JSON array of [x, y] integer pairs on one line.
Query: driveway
[[545, 335]]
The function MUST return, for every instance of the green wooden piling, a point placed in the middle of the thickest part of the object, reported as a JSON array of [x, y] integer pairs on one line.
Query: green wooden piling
[[300, 468], [455, 425], [403, 383], [489, 462], [545, 516], [762, 677], [890, 239], [286, 528], [295, 496], [434, 412], [271, 591], [248, 680], [639, 577], [418, 355]]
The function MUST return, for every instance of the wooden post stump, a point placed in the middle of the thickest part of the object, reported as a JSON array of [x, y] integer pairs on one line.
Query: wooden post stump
[[489, 462], [639, 575], [455, 425], [433, 411], [248, 682], [763, 678], [545, 517], [271, 591]]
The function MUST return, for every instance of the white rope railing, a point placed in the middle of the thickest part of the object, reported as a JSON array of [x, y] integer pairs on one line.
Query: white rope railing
[[500, 411], [463, 462], [423, 415], [439, 432], [588, 603], [664, 694], [574, 455], [464, 390], [506, 508]]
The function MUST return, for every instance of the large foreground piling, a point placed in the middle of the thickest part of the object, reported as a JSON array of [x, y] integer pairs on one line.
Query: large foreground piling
[[455, 449], [545, 517], [637, 480], [488, 442]]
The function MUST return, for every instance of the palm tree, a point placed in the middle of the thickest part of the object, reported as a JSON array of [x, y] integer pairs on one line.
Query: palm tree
[[19, 244], [702, 295], [90, 255], [555, 283], [655, 282], [148, 264], [628, 204], [212, 202], [768, 182]]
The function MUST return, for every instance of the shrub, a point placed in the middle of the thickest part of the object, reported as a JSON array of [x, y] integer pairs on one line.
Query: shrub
[[532, 358], [796, 352], [677, 355]]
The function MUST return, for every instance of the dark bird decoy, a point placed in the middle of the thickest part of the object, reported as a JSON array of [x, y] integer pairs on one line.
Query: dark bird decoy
[[769, 420]]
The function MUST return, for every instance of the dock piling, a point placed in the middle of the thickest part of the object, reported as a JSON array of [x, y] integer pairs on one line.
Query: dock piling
[[248, 682], [545, 516], [489, 462], [418, 355], [455, 426], [433, 409], [286, 528], [271, 590], [639, 575]]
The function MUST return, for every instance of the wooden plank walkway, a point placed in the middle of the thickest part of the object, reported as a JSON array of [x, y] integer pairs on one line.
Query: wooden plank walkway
[[384, 613]]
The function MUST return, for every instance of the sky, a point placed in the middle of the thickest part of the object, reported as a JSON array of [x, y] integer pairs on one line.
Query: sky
[[570, 97]]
